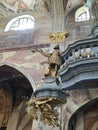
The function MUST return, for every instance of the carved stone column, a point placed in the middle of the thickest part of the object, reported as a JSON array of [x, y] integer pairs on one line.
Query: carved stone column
[[57, 15], [57, 20], [95, 12]]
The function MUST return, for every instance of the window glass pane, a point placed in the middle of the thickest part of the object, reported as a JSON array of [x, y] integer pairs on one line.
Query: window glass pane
[[21, 23], [82, 14]]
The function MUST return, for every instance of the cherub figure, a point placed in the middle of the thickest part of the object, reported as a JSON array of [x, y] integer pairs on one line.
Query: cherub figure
[[54, 61]]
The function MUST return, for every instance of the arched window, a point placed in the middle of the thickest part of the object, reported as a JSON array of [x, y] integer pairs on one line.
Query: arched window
[[82, 14], [20, 23]]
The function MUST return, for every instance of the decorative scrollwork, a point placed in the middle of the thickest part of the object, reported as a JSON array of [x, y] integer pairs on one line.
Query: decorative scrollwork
[[46, 107], [59, 36]]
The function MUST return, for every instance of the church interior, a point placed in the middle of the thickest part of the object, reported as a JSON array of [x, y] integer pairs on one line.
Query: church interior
[[64, 94]]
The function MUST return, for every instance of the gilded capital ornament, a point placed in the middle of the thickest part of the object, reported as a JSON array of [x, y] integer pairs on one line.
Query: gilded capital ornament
[[58, 36]]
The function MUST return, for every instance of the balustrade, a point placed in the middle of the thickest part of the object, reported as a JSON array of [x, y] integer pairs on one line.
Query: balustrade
[[79, 53], [80, 69]]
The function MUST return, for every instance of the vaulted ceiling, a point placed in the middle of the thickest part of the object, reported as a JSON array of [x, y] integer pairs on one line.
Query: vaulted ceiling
[[57, 10], [50, 15]]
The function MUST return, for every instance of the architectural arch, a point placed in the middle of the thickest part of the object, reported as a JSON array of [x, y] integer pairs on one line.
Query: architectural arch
[[26, 75], [85, 117], [16, 87], [20, 23], [82, 14], [95, 126]]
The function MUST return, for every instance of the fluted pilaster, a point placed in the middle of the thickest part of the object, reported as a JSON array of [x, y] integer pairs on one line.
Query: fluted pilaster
[[57, 14]]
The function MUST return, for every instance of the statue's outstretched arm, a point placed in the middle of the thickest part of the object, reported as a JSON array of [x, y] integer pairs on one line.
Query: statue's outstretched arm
[[41, 52]]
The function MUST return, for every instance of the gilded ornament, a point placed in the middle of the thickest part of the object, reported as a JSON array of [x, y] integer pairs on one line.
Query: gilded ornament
[[58, 36], [46, 107]]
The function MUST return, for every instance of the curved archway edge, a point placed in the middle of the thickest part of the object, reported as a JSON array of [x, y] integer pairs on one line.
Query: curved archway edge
[[83, 107], [22, 72]]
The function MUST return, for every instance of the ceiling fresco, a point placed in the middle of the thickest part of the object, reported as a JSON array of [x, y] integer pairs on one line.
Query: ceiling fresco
[[54, 13], [8, 7]]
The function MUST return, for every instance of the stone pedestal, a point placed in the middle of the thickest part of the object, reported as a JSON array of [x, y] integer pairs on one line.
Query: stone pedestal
[[51, 93], [51, 88]]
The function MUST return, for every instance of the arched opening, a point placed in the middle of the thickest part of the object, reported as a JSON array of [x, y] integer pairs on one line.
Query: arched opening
[[86, 117], [22, 22], [82, 14], [14, 89]]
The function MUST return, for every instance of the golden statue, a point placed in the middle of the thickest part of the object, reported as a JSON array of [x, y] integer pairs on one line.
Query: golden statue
[[46, 108], [54, 61]]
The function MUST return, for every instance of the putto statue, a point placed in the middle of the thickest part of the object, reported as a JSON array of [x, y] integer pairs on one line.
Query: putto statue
[[54, 61]]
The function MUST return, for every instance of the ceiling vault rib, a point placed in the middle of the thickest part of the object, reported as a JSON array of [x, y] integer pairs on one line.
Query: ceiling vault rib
[[8, 6]]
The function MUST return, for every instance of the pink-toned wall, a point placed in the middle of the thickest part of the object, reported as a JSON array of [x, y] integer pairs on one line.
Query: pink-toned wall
[[32, 65]]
